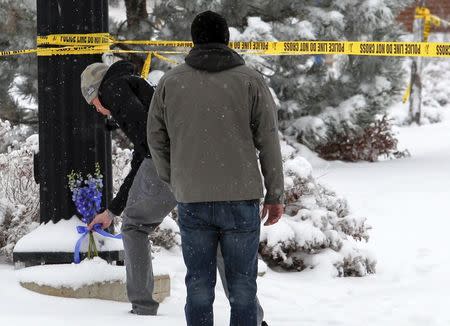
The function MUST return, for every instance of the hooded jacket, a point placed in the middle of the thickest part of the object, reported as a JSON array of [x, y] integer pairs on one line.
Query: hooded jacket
[[207, 120], [128, 97]]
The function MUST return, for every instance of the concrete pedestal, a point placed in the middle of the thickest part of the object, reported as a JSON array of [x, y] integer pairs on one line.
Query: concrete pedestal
[[94, 279], [115, 291]]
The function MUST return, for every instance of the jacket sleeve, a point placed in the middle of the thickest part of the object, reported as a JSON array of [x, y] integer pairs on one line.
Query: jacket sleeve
[[264, 124], [119, 202], [126, 106], [157, 135]]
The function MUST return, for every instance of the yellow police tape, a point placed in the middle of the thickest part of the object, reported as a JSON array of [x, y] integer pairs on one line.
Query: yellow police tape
[[146, 67], [429, 21], [407, 94], [79, 44], [262, 47], [17, 52]]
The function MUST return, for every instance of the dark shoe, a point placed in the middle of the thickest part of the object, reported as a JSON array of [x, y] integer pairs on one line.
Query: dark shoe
[[264, 324], [139, 313]]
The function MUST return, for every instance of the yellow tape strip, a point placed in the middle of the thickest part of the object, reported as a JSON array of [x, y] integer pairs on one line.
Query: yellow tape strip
[[271, 48], [78, 44], [385, 49], [405, 49], [75, 39], [17, 52], [159, 56], [73, 50], [172, 44], [146, 67], [407, 94], [102, 39], [429, 21]]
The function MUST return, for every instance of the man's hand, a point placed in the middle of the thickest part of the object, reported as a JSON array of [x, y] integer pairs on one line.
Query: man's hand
[[103, 218], [275, 212]]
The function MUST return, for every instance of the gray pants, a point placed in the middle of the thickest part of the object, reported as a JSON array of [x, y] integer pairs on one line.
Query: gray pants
[[149, 201]]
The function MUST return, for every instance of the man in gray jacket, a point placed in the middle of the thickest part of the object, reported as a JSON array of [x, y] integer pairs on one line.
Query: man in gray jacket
[[207, 119], [143, 198]]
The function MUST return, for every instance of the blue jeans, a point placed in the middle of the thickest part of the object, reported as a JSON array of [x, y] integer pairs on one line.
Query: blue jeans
[[235, 225]]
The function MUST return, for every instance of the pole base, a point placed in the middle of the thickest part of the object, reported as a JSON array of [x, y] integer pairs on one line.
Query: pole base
[[54, 243], [27, 259]]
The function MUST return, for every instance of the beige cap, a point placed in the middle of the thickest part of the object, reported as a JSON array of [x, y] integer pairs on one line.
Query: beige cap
[[91, 78]]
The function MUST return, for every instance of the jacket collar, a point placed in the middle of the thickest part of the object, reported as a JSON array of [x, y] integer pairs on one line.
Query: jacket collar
[[213, 57]]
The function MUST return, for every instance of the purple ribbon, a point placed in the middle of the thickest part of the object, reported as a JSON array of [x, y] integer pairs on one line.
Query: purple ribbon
[[84, 231]]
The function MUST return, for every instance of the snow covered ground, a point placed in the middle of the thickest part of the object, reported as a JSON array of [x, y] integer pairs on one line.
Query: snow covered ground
[[406, 201]]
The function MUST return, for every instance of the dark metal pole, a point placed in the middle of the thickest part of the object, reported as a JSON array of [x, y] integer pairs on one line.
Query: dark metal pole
[[71, 133]]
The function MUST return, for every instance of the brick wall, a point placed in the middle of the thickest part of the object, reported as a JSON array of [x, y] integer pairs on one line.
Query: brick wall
[[440, 8]]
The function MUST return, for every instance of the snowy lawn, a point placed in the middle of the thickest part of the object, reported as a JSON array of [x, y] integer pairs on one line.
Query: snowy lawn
[[408, 204]]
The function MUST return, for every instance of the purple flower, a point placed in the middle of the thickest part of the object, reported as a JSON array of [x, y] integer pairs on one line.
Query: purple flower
[[87, 194]]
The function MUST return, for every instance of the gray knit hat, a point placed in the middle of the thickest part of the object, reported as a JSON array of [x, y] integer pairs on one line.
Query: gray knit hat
[[91, 78]]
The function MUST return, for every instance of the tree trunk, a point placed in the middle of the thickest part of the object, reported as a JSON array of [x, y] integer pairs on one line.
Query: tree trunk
[[415, 99], [136, 11]]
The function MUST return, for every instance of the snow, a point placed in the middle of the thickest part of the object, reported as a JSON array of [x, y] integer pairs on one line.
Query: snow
[[305, 30], [262, 267], [298, 166], [257, 30], [407, 204], [345, 109], [169, 224], [154, 76], [62, 237], [24, 102], [277, 233], [74, 276]]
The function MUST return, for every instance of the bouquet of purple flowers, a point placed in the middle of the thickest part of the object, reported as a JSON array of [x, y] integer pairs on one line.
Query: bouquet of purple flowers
[[87, 197]]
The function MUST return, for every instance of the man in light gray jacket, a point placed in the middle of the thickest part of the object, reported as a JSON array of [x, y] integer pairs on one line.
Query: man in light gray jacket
[[207, 120]]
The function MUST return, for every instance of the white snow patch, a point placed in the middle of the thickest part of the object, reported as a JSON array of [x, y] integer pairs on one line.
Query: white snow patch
[[154, 77], [262, 267], [277, 233], [25, 102], [298, 166], [62, 237], [169, 224], [75, 276]]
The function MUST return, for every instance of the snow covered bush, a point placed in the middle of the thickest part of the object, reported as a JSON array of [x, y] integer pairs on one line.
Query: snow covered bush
[[121, 165], [167, 234], [12, 136], [316, 222], [356, 144], [19, 204], [436, 94], [18, 74]]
